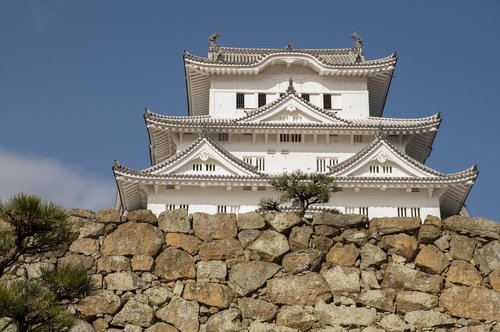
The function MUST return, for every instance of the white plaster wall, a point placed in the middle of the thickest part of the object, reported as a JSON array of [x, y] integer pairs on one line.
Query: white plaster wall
[[379, 203], [300, 155], [275, 80], [207, 199]]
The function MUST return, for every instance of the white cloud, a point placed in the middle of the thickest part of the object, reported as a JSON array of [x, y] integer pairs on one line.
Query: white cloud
[[53, 181]]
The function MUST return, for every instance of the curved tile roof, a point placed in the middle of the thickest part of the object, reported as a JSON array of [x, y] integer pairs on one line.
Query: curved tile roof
[[466, 174], [203, 138], [202, 121], [338, 58]]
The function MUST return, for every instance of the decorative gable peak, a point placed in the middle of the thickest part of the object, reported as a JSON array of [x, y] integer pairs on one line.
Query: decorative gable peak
[[290, 108], [206, 158], [382, 159]]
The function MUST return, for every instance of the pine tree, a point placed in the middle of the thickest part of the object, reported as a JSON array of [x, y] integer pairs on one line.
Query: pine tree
[[305, 188]]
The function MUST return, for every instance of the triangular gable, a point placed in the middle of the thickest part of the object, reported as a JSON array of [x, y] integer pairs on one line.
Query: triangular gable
[[291, 108], [204, 157], [382, 159]]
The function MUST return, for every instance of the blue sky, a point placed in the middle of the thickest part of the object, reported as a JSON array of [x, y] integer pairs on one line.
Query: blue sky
[[75, 77]]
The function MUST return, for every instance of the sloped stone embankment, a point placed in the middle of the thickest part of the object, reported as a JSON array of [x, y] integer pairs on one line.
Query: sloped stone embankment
[[280, 273]]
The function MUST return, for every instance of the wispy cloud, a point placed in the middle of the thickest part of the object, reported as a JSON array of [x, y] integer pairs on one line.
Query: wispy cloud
[[53, 181]]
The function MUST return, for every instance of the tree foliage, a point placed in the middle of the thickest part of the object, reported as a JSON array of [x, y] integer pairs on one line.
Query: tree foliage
[[33, 306], [68, 281], [268, 204], [304, 188], [35, 226]]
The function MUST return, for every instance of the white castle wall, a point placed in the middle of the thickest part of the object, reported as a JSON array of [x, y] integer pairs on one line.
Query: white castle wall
[[275, 80], [380, 203], [289, 156]]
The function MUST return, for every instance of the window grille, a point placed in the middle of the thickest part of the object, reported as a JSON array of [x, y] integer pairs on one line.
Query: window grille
[[221, 209], [234, 209], [374, 169], [401, 212], [327, 102], [170, 206], [184, 206], [358, 138], [262, 99], [197, 167], [240, 100], [322, 164], [305, 96], [255, 161], [209, 167], [362, 210], [284, 138], [386, 169], [223, 137]]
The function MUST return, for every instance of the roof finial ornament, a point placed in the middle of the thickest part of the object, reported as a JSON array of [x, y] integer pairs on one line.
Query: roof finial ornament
[[358, 46], [212, 42], [291, 88], [204, 133], [358, 41], [288, 47], [380, 135]]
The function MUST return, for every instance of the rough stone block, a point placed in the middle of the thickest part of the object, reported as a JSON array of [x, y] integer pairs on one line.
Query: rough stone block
[[174, 221], [214, 227]]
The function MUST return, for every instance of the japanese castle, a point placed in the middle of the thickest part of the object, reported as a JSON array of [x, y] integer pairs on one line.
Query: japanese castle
[[254, 113]]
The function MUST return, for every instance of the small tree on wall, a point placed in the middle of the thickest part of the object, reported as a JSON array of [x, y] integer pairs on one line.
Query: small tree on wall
[[305, 188], [32, 226], [29, 225]]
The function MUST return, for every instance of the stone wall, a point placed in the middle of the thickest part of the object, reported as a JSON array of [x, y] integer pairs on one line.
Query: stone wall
[[220, 272]]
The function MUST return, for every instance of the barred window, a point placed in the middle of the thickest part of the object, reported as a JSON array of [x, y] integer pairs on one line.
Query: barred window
[[223, 137], [327, 102], [305, 96], [322, 164], [240, 100], [221, 209], [294, 138], [262, 99], [358, 138], [255, 161]]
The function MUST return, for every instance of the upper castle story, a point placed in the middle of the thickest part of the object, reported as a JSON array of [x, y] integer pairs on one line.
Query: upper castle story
[[230, 82]]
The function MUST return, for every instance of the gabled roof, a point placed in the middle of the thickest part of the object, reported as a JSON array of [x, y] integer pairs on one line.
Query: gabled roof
[[203, 144], [338, 58], [131, 182], [416, 174], [291, 102]]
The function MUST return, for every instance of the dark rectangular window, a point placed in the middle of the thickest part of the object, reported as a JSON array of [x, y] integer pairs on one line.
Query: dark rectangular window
[[240, 100], [305, 96], [327, 102], [262, 99]]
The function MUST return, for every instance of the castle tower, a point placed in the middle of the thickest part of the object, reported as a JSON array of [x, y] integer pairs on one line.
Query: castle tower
[[254, 113]]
